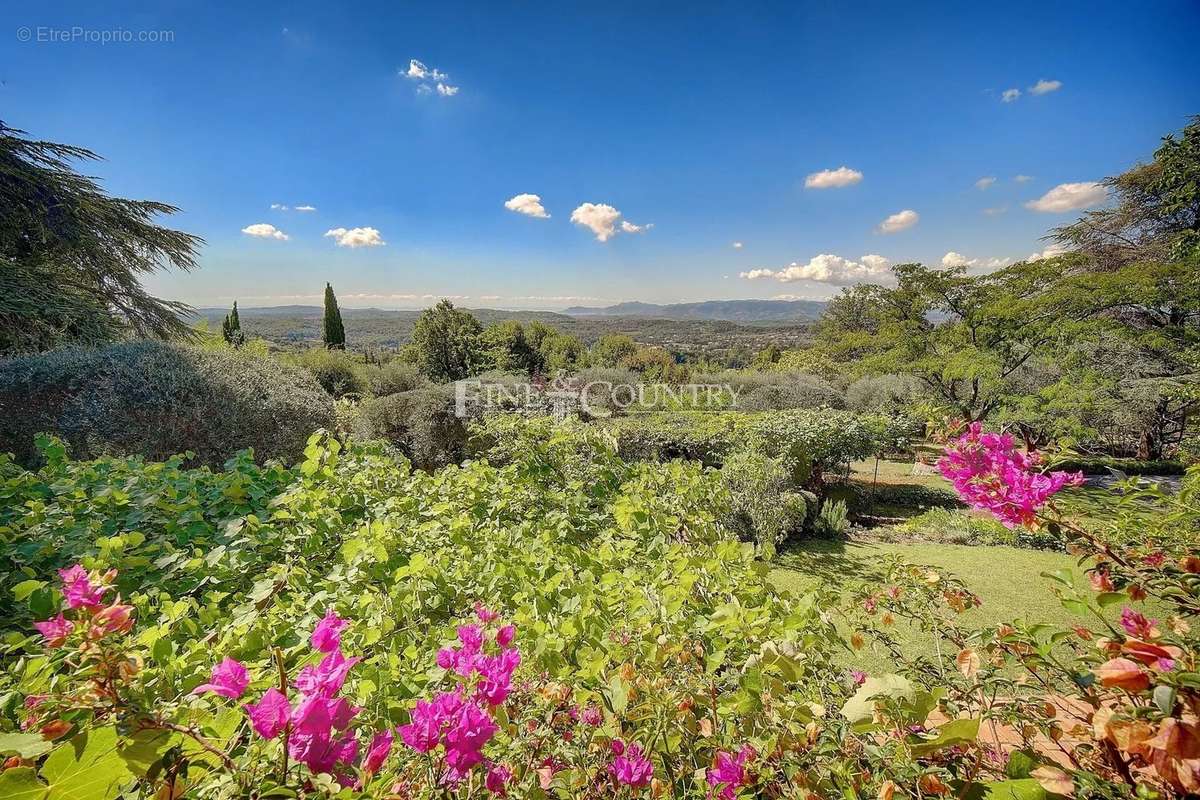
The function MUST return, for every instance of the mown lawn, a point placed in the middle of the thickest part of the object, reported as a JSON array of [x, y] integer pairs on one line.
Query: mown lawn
[[1007, 579]]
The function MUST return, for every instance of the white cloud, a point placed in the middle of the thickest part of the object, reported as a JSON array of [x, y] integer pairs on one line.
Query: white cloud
[[602, 220], [995, 211], [263, 230], [737, 245], [901, 220], [833, 178], [1069, 197], [1009, 95], [1022, 178], [1045, 87], [282, 207], [984, 183], [356, 237], [1050, 252], [953, 259], [306, 208], [527, 204], [429, 78], [826, 268], [278, 207]]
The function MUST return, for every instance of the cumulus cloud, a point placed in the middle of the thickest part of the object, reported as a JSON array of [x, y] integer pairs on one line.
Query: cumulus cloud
[[901, 220], [527, 204], [984, 183], [262, 230], [1050, 252], [737, 245], [1009, 95], [429, 78], [953, 259], [1045, 87], [602, 220], [356, 237], [826, 268], [1069, 197], [833, 178]]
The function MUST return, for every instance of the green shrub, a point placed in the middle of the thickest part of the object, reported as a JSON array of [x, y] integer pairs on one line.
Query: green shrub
[[336, 371], [156, 400], [832, 521], [959, 526], [693, 435], [801, 391], [392, 378], [887, 393], [421, 423], [757, 485], [862, 497], [1104, 465]]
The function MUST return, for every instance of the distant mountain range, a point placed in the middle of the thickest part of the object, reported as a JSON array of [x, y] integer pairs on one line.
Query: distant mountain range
[[730, 310]]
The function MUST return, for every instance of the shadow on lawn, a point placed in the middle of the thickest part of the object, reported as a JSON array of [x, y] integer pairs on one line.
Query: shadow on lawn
[[835, 564]]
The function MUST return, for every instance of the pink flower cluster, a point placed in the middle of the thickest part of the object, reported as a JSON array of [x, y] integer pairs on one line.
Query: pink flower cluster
[[991, 474], [729, 772], [317, 724], [460, 720], [86, 598], [630, 766]]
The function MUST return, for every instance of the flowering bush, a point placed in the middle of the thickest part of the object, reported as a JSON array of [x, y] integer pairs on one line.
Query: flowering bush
[[565, 624]]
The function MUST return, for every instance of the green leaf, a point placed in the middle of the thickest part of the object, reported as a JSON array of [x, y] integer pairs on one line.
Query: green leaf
[[20, 783], [1021, 763], [860, 708], [143, 750], [26, 745], [88, 767], [1024, 789], [25, 588], [618, 694], [958, 731], [1106, 599]]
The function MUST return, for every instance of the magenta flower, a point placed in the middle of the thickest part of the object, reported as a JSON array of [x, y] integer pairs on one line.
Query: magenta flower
[[326, 678], [485, 614], [327, 636], [505, 635], [468, 731], [498, 777], [228, 679], [55, 630], [592, 715], [78, 589], [377, 752], [729, 772], [1136, 624], [270, 715], [991, 474], [631, 767], [424, 731], [858, 676]]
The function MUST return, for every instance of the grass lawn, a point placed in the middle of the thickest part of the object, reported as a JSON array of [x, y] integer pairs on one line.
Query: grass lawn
[[1007, 579]]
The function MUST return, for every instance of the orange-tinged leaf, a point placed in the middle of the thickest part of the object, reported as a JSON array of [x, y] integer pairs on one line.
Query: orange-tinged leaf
[[1121, 673], [968, 662], [1054, 780]]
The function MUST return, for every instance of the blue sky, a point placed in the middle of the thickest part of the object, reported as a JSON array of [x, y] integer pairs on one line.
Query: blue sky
[[702, 120]]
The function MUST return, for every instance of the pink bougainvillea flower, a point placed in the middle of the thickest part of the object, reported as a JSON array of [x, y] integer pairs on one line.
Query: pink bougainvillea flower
[[111, 619], [617, 747], [991, 474], [377, 752], [498, 777], [592, 715], [270, 715], [468, 731], [485, 614], [326, 678], [55, 630], [228, 679], [858, 676], [78, 589], [1136, 624], [341, 713], [632, 768], [327, 636], [424, 730], [505, 635], [729, 772]]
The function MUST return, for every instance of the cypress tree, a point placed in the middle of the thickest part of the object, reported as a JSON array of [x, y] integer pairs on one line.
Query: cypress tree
[[334, 333], [231, 328]]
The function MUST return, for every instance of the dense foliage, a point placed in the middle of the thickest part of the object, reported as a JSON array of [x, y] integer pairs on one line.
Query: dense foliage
[[156, 399]]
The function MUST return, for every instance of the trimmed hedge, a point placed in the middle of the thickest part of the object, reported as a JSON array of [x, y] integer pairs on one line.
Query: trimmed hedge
[[1101, 465], [421, 423], [156, 400]]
